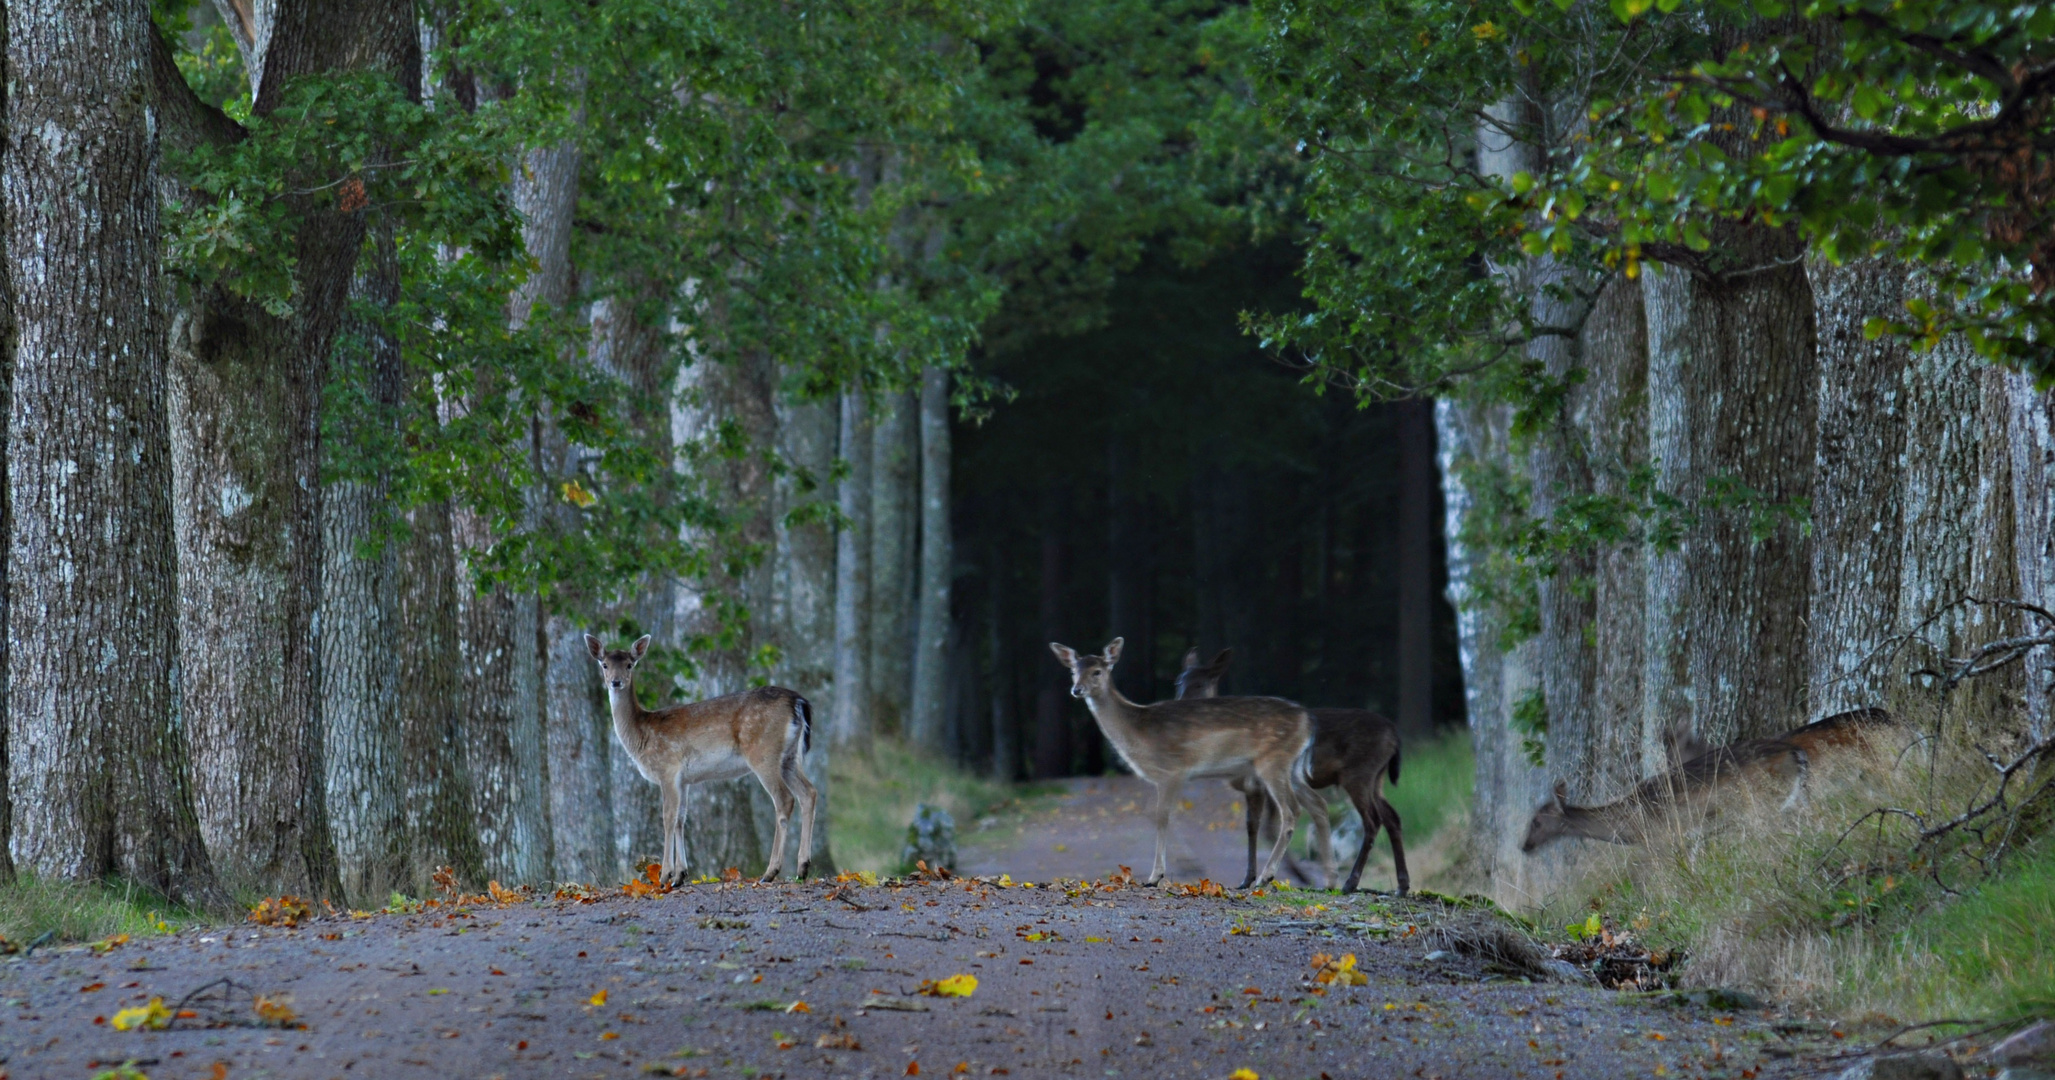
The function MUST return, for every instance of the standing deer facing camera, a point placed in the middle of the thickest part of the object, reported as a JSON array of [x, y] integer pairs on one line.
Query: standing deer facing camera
[[1352, 748], [1173, 741], [765, 731]]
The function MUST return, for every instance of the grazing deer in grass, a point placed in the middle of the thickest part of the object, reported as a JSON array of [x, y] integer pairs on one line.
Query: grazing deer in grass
[[765, 731], [1171, 742], [1700, 785], [1354, 749]]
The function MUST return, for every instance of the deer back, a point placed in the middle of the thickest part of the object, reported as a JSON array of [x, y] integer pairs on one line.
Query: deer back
[[1206, 733]]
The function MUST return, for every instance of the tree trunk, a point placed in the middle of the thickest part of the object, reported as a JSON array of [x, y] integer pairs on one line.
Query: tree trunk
[[440, 828], [1732, 400], [803, 604], [6, 519], [1052, 725], [98, 763], [362, 640], [1612, 412], [931, 657], [2033, 533], [1415, 423], [1860, 461], [505, 750], [851, 723], [999, 646], [895, 487]]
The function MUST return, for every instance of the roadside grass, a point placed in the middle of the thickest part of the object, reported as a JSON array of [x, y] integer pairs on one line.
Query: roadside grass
[[1812, 909], [872, 795], [72, 912]]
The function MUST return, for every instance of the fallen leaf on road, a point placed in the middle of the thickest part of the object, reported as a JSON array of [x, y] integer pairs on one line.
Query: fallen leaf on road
[[953, 986], [152, 1016], [799, 1007], [1243, 1074], [838, 1041], [277, 911], [597, 999], [1342, 969], [274, 1010], [913, 1068], [109, 944]]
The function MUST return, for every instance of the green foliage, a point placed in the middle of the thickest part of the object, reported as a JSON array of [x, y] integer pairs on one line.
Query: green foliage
[[70, 912], [1529, 720]]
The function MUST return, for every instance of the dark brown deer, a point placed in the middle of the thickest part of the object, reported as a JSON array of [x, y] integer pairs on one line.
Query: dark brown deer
[[1354, 749], [1698, 789], [1171, 742], [765, 731]]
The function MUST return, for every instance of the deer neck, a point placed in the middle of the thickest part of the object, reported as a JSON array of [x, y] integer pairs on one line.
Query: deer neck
[[628, 716], [1115, 713], [1614, 823]]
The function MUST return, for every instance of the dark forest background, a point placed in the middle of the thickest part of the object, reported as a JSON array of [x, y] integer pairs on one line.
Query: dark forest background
[[1164, 480]]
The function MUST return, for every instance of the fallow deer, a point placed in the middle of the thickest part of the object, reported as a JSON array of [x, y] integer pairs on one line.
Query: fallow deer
[[1170, 742], [1700, 786], [766, 731], [1354, 749]]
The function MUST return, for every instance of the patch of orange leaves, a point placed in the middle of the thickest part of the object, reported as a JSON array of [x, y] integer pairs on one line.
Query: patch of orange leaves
[[281, 911]]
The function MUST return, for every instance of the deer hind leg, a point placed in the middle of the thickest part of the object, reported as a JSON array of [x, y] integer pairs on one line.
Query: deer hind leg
[[1166, 794], [1277, 784], [1323, 830], [1801, 774], [797, 783], [773, 782], [1256, 803]]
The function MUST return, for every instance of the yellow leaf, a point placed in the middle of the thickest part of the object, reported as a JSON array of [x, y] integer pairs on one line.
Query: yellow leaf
[[1243, 1074], [153, 1016], [1006, 881], [598, 999], [953, 986], [868, 877], [1485, 31], [576, 495], [606, 1035]]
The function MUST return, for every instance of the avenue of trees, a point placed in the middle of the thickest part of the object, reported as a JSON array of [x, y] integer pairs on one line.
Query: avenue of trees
[[359, 356]]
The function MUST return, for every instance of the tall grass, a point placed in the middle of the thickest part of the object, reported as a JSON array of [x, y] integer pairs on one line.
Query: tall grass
[[872, 795], [1865, 923], [71, 911]]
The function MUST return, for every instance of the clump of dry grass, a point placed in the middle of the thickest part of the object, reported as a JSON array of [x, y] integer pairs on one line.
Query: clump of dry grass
[[1838, 907]]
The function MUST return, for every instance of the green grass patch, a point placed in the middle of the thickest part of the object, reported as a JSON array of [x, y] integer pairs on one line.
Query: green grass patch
[[70, 912], [1435, 780], [1990, 954], [872, 795]]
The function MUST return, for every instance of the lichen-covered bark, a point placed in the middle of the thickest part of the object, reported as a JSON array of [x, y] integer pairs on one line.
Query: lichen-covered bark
[[1732, 401], [501, 723], [436, 792], [98, 772], [895, 516], [1610, 413], [850, 724], [937, 565], [802, 610], [1859, 467]]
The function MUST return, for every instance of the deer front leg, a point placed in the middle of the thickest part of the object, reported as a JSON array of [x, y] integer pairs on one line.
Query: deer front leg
[[668, 797], [1278, 786], [1166, 794]]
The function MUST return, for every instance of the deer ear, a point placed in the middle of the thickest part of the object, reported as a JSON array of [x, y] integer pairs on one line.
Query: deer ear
[[1221, 660], [1191, 658], [640, 647], [593, 646], [1113, 651], [1562, 792], [1065, 655]]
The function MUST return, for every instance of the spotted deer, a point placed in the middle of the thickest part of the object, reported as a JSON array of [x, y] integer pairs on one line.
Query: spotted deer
[[1711, 779], [766, 731], [1353, 749], [1171, 742]]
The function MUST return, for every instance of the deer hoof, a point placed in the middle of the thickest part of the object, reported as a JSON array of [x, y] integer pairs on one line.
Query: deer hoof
[[768, 876], [803, 867]]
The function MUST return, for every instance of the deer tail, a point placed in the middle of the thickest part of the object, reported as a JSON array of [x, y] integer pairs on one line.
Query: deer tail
[[1392, 770], [802, 714]]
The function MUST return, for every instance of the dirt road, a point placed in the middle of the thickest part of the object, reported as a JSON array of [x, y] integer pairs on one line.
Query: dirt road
[[1076, 981]]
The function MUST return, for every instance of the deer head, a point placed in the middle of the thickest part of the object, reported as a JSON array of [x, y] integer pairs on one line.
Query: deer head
[[617, 668], [1089, 675], [1551, 820], [1202, 680]]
